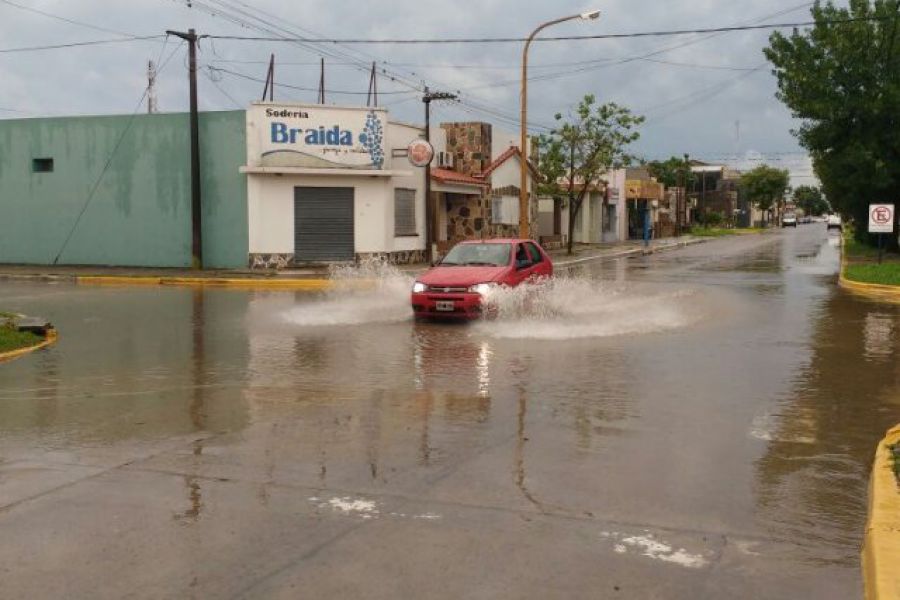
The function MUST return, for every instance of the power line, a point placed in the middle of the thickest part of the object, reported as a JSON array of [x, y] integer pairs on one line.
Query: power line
[[509, 40], [109, 161], [314, 44], [65, 20], [495, 67], [138, 38], [300, 88]]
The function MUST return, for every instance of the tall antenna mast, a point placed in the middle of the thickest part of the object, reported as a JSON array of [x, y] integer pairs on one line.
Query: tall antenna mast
[[151, 88], [373, 88], [321, 99]]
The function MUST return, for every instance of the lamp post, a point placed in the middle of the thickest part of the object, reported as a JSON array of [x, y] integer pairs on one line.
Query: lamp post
[[523, 187]]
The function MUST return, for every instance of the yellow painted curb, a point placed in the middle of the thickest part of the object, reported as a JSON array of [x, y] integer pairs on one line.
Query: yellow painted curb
[[881, 552], [874, 291], [248, 283], [51, 338]]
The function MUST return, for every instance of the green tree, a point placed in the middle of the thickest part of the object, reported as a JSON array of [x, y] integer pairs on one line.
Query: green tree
[[843, 81], [672, 172], [810, 199], [580, 150], [765, 186]]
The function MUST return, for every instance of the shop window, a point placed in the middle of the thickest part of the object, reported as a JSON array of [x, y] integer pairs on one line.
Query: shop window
[[505, 210], [404, 212], [42, 165]]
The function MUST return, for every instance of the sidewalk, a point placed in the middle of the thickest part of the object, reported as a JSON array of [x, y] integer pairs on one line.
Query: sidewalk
[[310, 278]]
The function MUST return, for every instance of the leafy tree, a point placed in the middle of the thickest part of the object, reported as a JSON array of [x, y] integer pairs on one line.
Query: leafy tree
[[843, 81], [672, 172], [765, 186], [810, 199], [579, 151]]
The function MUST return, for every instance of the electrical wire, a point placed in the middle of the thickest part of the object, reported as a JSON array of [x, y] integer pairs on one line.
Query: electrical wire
[[65, 20], [560, 38], [109, 161], [280, 30], [304, 89], [137, 38]]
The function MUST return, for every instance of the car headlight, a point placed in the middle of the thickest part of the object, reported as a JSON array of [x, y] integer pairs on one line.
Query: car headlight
[[483, 288], [418, 287]]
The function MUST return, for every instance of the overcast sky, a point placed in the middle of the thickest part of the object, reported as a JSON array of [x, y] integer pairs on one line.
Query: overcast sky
[[699, 93]]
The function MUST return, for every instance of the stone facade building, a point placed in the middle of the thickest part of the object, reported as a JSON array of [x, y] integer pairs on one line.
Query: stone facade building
[[493, 210]]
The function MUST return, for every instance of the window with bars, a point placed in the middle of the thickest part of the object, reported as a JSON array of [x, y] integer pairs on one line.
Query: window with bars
[[404, 212]]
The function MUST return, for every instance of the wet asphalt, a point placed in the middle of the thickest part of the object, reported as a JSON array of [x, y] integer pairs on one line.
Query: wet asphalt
[[697, 423]]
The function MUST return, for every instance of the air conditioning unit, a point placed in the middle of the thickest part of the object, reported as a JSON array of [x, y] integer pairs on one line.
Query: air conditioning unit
[[445, 160]]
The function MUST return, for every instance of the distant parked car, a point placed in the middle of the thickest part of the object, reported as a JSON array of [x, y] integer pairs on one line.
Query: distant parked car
[[455, 287], [805, 220], [834, 222], [789, 220]]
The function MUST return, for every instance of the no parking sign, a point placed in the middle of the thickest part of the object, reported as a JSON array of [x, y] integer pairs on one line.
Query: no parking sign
[[881, 218]]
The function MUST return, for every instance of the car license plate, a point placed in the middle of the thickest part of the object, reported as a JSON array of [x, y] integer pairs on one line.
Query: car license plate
[[444, 305]]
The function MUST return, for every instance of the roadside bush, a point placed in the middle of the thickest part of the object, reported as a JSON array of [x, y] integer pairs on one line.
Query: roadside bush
[[712, 219]]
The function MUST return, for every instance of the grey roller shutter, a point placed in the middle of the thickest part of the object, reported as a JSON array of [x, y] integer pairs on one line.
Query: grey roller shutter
[[323, 224]]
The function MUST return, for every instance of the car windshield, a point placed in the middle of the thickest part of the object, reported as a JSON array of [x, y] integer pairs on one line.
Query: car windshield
[[495, 255]]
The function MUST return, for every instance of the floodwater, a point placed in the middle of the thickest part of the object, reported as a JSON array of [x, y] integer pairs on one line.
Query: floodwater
[[698, 423]]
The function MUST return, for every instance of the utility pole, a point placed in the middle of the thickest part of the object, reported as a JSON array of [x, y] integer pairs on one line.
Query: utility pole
[[430, 208], [191, 38], [270, 81], [151, 88]]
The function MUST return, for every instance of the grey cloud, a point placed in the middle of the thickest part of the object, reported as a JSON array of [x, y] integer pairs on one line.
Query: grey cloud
[[111, 78]]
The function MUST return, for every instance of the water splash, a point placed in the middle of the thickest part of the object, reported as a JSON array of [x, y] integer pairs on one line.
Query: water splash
[[557, 309], [570, 308], [373, 291]]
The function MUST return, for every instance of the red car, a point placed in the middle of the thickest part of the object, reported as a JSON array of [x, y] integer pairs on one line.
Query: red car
[[454, 287]]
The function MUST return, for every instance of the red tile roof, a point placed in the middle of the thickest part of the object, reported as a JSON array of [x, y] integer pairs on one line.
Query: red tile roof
[[448, 176], [507, 154]]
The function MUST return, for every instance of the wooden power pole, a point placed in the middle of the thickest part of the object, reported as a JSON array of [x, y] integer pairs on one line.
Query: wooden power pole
[[191, 38]]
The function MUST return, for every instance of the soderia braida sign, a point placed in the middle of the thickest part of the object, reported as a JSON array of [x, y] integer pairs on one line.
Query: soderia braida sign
[[316, 137]]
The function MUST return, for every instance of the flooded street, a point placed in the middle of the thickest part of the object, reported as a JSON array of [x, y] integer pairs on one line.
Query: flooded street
[[697, 423]]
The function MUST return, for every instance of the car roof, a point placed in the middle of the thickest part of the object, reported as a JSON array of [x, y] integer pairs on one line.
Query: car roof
[[496, 241]]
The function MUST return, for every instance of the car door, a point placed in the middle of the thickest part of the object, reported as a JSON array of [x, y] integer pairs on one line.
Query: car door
[[523, 264], [541, 263]]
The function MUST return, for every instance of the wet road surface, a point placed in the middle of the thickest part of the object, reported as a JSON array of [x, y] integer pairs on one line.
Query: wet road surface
[[691, 424]]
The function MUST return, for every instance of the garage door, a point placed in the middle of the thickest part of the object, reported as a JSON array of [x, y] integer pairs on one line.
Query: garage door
[[323, 224]]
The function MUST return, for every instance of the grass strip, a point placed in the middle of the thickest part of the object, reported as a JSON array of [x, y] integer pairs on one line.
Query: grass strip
[[884, 274], [12, 339]]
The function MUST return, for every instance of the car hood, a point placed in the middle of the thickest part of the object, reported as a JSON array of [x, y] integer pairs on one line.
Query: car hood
[[461, 276]]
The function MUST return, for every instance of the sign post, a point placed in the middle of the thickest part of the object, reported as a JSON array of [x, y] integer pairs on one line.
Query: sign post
[[881, 221]]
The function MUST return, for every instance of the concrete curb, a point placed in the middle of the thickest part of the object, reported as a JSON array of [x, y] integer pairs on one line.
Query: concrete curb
[[234, 283], [631, 252], [51, 338], [881, 550]]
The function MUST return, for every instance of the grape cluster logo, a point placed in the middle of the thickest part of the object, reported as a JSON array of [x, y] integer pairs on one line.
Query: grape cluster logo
[[371, 139]]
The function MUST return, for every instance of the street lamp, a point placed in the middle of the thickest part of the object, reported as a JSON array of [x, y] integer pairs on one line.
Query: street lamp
[[523, 188]]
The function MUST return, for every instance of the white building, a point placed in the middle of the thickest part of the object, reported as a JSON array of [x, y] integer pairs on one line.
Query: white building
[[603, 214], [329, 183]]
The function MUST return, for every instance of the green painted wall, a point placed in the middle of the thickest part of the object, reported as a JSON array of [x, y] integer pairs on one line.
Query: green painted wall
[[140, 214]]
